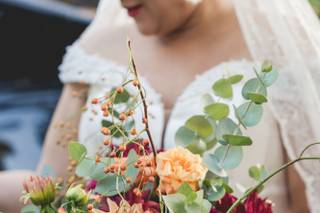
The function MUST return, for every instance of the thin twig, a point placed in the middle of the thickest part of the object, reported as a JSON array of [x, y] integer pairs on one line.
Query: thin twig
[[145, 106]]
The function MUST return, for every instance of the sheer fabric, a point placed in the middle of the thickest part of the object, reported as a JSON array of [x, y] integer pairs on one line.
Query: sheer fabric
[[288, 33]]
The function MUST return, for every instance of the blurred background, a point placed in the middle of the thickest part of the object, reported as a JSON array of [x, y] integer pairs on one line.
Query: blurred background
[[33, 37]]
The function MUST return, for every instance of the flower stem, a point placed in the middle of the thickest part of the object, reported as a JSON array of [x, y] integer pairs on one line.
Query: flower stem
[[145, 107], [285, 166]]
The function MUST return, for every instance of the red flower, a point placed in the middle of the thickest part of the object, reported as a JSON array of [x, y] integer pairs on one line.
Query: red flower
[[253, 204]]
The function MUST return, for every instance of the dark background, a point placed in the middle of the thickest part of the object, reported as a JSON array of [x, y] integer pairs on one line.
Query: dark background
[[33, 38]]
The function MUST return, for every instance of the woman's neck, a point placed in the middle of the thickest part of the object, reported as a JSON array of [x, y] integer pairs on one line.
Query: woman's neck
[[210, 14]]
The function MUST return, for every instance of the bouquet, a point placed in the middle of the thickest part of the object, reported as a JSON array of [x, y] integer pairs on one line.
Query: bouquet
[[129, 175]]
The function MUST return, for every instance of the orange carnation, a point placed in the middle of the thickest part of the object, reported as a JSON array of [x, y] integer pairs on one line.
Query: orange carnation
[[177, 166]]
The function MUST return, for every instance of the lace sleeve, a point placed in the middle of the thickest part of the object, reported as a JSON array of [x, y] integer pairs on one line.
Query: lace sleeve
[[79, 66], [287, 32]]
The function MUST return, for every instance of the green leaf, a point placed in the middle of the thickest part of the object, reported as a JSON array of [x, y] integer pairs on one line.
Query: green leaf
[[253, 86], [267, 66], [215, 193], [258, 172], [30, 209], [122, 97], [249, 114], [235, 79], [229, 156], [257, 98], [226, 126], [187, 191], [175, 202], [114, 128], [200, 125], [237, 140], [268, 78], [185, 137], [89, 168], [76, 151], [213, 164], [108, 185], [197, 147], [217, 111], [223, 88]]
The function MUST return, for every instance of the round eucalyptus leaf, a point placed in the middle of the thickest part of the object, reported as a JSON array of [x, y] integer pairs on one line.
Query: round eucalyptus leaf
[[257, 98], [223, 88], [237, 140], [185, 136], [253, 86], [213, 164], [197, 147], [200, 125], [217, 111], [235, 79], [268, 78], [215, 193], [230, 156], [258, 172], [224, 127], [249, 114], [266, 66]]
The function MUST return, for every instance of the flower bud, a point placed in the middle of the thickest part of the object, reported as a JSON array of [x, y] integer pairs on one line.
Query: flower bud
[[78, 195], [41, 190]]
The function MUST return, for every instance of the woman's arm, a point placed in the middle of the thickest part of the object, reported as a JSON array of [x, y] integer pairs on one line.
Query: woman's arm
[[67, 114], [68, 110]]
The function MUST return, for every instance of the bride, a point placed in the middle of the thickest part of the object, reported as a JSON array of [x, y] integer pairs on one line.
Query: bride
[[181, 41]]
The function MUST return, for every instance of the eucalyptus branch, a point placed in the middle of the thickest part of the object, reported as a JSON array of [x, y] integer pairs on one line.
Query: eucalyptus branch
[[142, 96], [285, 166]]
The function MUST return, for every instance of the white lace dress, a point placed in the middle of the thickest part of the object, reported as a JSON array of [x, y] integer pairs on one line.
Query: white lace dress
[[102, 75]]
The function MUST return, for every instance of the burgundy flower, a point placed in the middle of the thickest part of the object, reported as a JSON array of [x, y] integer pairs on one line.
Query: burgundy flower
[[91, 184], [253, 204]]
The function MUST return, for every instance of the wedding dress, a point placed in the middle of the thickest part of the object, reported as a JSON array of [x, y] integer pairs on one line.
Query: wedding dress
[[290, 119]]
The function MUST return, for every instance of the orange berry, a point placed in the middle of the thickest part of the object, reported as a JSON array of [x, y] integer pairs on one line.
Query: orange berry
[[95, 101], [123, 167], [104, 107], [130, 112], [109, 103], [106, 113], [106, 170], [98, 159], [151, 179], [137, 192], [135, 83], [133, 131], [146, 142], [90, 206], [107, 142], [105, 131], [122, 148], [112, 154], [122, 116], [120, 90], [128, 179]]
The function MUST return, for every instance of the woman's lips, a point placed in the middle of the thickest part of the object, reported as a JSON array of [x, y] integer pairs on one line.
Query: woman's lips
[[134, 11]]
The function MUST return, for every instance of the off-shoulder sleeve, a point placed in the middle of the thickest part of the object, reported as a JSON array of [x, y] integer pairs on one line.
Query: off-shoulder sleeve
[[80, 67]]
